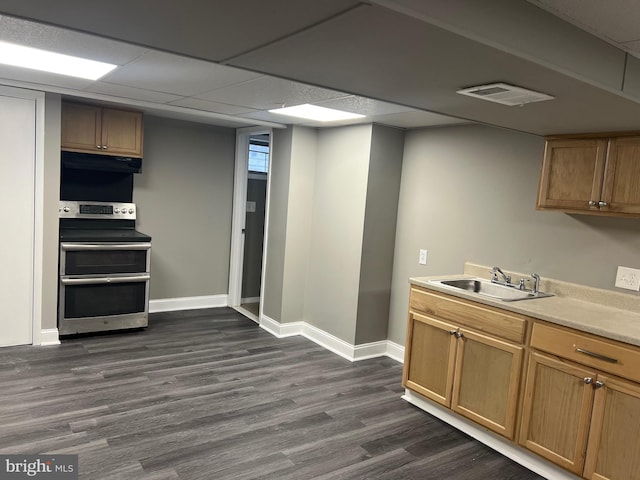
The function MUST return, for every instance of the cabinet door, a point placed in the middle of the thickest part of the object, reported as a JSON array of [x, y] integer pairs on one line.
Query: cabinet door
[[614, 439], [557, 410], [121, 132], [621, 188], [428, 367], [81, 128], [486, 381], [572, 174]]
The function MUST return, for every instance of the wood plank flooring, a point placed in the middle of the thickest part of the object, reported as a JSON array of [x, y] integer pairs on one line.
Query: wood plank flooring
[[207, 394]]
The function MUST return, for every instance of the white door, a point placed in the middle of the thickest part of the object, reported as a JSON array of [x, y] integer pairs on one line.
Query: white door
[[17, 192]]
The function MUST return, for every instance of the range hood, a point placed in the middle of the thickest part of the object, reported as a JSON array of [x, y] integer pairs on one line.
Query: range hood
[[104, 163]]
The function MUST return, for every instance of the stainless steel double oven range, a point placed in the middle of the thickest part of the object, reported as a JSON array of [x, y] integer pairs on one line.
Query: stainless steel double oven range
[[104, 262], [104, 268]]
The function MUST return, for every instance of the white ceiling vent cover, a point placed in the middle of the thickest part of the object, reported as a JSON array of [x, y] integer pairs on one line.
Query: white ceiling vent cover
[[505, 94]]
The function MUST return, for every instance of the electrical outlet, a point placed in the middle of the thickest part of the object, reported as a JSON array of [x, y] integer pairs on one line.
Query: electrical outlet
[[422, 259], [628, 278]]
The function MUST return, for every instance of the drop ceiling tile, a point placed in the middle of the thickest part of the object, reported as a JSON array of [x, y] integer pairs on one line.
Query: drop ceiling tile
[[208, 106], [210, 29], [616, 20], [265, 93], [363, 105], [105, 88], [43, 78], [46, 37], [417, 119], [164, 72]]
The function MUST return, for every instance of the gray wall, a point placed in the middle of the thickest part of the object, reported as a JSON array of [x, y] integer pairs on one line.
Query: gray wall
[[254, 237], [184, 197], [340, 190], [50, 213], [299, 215], [468, 194], [383, 187], [277, 228]]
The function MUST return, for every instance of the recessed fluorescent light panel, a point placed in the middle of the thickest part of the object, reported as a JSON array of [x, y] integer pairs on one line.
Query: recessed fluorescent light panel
[[314, 112], [36, 59]]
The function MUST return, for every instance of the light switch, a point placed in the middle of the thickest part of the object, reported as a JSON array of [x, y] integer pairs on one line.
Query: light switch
[[422, 258], [628, 278]]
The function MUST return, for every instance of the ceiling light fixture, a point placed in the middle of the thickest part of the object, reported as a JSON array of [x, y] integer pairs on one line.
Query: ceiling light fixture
[[36, 59], [314, 112]]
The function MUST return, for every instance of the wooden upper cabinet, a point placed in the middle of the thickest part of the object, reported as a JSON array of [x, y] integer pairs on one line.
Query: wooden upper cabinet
[[621, 185], [599, 176], [572, 174], [107, 131]]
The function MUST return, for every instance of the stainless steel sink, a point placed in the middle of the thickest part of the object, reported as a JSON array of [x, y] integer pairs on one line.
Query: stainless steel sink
[[493, 290]]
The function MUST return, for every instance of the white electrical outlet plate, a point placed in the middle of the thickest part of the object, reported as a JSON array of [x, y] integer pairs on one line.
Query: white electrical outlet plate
[[422, 259], [628, 278]]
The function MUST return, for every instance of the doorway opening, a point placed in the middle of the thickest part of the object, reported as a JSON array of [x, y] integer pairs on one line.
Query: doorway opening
[[246, 274]]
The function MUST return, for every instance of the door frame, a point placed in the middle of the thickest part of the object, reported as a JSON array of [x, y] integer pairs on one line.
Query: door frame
[[241, 176], [37, 263]]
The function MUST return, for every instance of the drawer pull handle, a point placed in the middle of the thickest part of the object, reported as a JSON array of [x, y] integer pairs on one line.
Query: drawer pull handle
[[452, 332], [597, 355], [588, 380]]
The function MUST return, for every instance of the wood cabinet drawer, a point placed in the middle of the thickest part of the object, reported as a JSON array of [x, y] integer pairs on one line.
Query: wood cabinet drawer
[[586, 349], [482, 318]]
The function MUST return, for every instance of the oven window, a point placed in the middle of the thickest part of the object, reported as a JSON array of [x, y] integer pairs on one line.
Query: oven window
[[104, 299], [88, 262]]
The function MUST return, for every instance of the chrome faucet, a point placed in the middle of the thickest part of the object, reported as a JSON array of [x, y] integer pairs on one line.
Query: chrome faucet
[[536, 282], [495, 271]]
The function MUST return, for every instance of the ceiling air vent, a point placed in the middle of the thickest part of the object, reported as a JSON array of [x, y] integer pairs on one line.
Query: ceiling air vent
[[505, 94]]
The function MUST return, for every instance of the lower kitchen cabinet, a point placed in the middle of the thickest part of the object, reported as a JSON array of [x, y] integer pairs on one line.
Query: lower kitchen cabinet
[[579, 406], [578, 411], [486, 381], [430, 358], [613, 451], [557, 408], [473, 373]]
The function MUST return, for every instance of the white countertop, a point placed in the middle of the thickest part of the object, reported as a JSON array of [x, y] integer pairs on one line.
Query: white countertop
[[597, 318]]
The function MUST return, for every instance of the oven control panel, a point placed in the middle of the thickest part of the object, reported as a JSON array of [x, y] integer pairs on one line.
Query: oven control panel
[[97, 210]]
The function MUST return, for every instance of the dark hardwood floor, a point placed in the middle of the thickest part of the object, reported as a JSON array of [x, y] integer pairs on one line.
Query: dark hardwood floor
[[206, 394]]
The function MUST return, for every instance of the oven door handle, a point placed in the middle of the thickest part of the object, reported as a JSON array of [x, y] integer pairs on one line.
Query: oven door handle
[[105, 246], [104, 280]]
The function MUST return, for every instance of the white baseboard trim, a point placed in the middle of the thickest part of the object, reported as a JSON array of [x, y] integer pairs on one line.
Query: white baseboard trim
[[328, 341], [502, 446], [280, 330], [187, 303], [49, 336], [353, 353], [395, 351]]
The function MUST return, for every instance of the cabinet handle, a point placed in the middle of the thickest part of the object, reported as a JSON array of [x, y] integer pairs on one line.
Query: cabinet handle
[[459, 334], [588, 380], [598, 384], [599, 356], [602, 204], [104, 147], [99, 147], [452, 332], [592, 203]]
